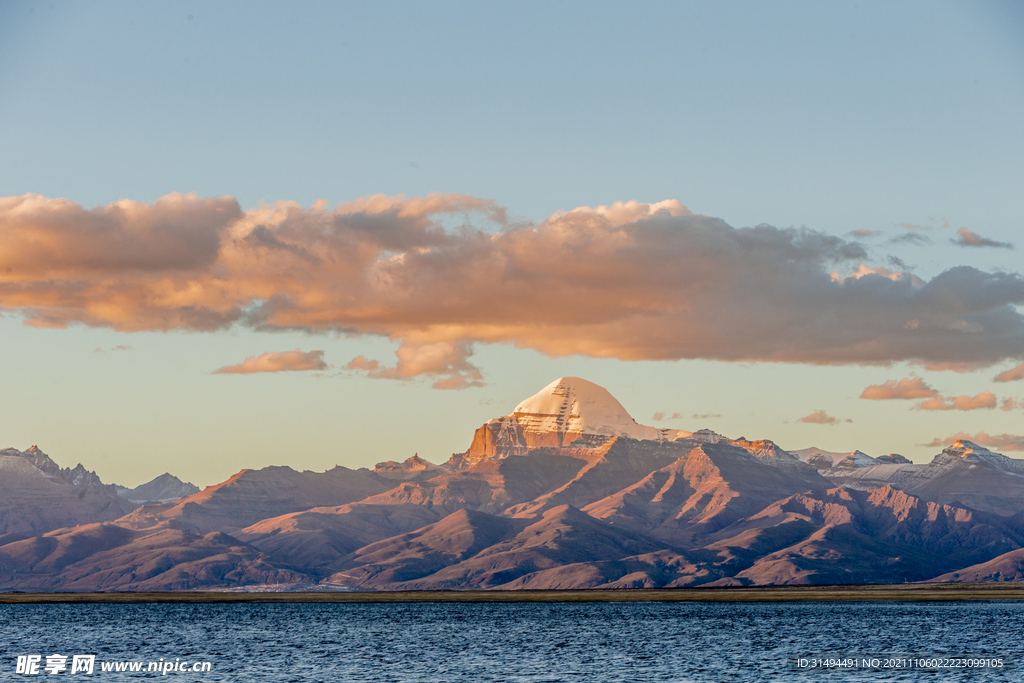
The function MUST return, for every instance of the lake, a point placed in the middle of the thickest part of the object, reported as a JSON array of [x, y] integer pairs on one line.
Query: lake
[[518, 642]]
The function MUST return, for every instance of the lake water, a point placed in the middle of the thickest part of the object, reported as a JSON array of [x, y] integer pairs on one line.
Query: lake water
[[519, 642]]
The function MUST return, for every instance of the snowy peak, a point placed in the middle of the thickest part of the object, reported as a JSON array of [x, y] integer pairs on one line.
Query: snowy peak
[[965, 448], [571, 407], [967, 451], [970, 453], [827, 460]]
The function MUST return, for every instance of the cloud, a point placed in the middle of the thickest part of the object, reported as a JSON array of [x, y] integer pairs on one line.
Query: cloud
[[819, 417], [663, 416], [997, 442], [961, 368], [630, 280], [58, 238], [1009, 404], [1011, 375], [448, 363], [909, 387], [279, 361], [966, 238], [911, 238], [863, 270], [985, 399], [918, 227], [862, 232], [119, 347]]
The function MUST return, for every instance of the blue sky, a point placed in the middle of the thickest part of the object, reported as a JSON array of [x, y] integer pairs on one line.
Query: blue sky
[[838, 117]]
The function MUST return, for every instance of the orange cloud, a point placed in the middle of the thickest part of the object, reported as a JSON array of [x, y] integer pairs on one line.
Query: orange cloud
[[962, 368], [279, 361], [819, 417], [630, 281], [998, 442], [966, 238], [909, 387], [863, 270], [985, 399], [1011, 375], [447, 362]]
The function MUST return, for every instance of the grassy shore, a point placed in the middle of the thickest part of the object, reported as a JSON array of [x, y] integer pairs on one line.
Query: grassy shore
[[920, 592]]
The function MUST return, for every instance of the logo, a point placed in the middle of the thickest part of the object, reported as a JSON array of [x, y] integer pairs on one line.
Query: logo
[[54, 664]]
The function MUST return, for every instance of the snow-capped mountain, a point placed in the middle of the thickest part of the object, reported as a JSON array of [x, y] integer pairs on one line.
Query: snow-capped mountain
[[569, 411], [969, 453], [826, 460], [823, 460]]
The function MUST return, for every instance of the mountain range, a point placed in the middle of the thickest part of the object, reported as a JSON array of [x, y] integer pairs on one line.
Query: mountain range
[[566, 491]]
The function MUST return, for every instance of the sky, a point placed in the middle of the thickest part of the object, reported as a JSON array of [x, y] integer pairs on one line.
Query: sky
[[241, 234]]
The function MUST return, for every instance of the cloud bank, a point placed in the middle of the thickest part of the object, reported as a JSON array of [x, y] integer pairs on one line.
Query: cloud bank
[[439, 273], [279, 361]]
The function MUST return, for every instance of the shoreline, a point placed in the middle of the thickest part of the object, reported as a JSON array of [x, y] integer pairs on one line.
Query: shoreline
[[943, 592]]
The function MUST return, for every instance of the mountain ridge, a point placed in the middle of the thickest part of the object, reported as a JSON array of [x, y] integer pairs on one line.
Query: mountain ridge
[[566, 491]]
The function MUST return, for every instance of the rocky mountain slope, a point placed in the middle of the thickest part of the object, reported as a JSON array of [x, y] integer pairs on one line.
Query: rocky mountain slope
[[34, 501], [566, 491], [38, 495], [254, 495]]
